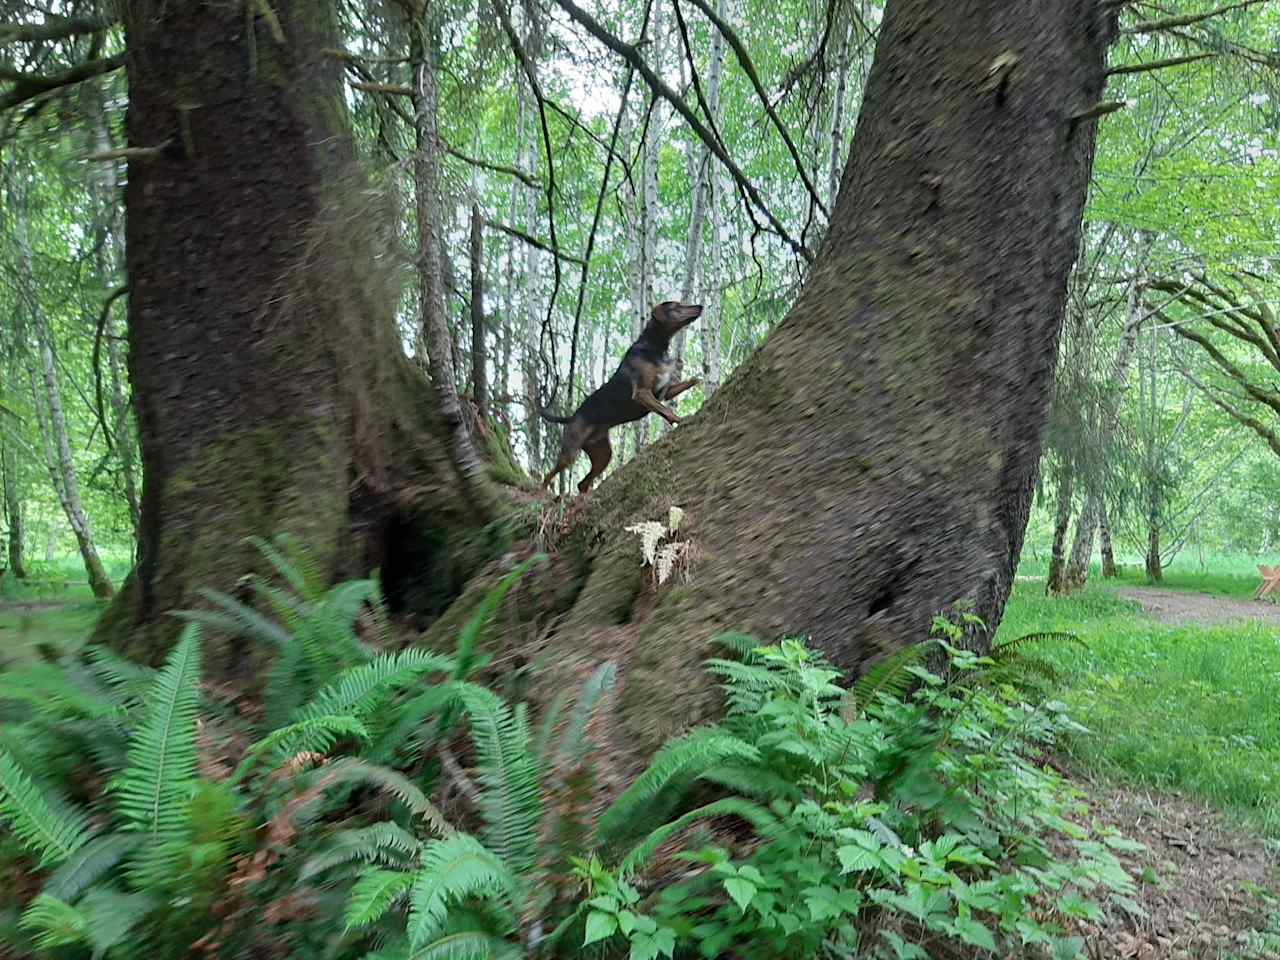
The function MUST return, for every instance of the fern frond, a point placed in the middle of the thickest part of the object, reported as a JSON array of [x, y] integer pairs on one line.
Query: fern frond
[[740, 644], [288, 685], [374, 894], [384, 842], [89, 864], [598, 686], [474, 628], [360, 689], [110, 915], [754, 814], [126, 676], [468, 945], [314, 579], [285, 606], [452, 870], [287, 571], [753, 781], [670, 770], [379, 615], [313, 735], [154, 787], [53, 923], [45, 824], [511, 797], [343, 601], [547, 728], [235, 618], [1007, 647], [748, 686], [355, 770], [49, 688], [891, 674], [409, 716]]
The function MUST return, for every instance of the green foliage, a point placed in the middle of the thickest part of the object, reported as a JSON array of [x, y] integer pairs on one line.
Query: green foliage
[[45, 824]]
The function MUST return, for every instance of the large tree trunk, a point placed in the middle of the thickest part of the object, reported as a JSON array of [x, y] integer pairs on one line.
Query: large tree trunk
[[271, 391], [873, 462]]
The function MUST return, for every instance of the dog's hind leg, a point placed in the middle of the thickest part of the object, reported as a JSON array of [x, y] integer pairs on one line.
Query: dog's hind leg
[[564, 462], [601, 452]]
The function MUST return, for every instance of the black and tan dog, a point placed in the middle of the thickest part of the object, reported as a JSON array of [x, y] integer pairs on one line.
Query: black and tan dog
[[638, 387]]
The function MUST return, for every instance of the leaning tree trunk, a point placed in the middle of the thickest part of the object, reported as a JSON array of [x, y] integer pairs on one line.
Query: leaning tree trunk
[[272, 395], [1077, 573], [873, 462]]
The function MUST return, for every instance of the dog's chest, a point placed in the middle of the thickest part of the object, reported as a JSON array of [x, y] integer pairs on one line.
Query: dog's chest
[[665, 374]]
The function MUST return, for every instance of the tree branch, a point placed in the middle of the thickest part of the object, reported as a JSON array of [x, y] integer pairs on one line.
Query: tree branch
[[1230, 369], [396, 89], [1186, 19], [632, 55], [53, 28], [99, 409], [1157, 64], [748, 67], [533, 241], [526, 178], [28, 86]]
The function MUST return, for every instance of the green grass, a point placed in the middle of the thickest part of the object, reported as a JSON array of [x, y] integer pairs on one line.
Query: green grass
[[1227, 575], [1191, 708]]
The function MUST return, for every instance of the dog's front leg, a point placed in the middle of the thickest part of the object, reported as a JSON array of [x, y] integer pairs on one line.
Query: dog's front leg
[[676, 389], [644, 396]]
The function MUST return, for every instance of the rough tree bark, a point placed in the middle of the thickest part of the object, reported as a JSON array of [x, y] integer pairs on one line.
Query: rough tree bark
[[873, 462], [272, 395]]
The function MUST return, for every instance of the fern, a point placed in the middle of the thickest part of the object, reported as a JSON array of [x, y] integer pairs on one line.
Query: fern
[[547, 728], [314, 734], [130, 679], [468, 945], [50, 689], [53, 923], [384, 842], [89, 864], [110, 915], [748, 686], [355, 770], [374, 894], [360, 689], [753, 781], [236, 618], [474, 628], [598, 686], [756, 815], [154, 787], [453, 870], [287, 686], [891, 674], [46, 825], [511, 801], [288, 571], [670, 770], [740, 644], [1007, 647], [409, 716]]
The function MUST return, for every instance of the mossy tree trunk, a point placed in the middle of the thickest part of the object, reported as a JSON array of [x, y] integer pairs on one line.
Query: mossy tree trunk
[[272, 395], [873, 462]]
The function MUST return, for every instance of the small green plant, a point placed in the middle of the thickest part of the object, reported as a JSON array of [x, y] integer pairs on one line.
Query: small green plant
[[878, 824]]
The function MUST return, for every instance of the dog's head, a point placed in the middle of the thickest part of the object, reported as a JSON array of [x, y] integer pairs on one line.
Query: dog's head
[[672, 316]]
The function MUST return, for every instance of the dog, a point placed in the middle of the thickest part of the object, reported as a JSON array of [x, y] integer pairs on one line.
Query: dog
[[638, 387]]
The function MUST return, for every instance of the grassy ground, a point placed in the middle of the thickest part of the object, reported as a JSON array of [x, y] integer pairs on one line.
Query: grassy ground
[[52, 606], [1227, 575], [1190, 708]]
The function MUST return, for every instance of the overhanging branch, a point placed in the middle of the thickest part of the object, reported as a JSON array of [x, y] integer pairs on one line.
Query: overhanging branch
[[28, 86], [1186, 19], [1131, 68], [52, 28]]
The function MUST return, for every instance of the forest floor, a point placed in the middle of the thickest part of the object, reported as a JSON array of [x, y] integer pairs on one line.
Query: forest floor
[[1179, 607]]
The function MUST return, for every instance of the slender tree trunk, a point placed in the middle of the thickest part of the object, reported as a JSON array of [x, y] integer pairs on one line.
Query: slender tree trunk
[[897, 481], [1108, 551], [710, 325], [837, 122], [650, 212], [1056, 581], [701, 161], [479, 352], [431, 300], [16, 539], [1077, 573], [46, 398], [271, 391], [1155, 570]]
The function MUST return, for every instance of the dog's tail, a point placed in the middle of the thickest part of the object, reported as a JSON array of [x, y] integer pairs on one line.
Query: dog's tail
[[548, 415]]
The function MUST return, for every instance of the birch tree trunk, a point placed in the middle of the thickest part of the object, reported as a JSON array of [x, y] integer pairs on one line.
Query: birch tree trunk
[[435, 323], [47, 403], [1055, 582], [479, 352], [1108, 551], [649, 218], [710, 324], [16, 535], [837, 122]]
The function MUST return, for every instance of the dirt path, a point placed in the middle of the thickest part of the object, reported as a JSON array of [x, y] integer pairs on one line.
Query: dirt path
[[1178, 607]]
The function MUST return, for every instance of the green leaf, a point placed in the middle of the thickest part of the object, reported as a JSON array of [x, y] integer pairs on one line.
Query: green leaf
[[53, 923], [742, 892], [857, 859], [373, 895], [600, 926], [88, 864], [974, 933], [453, 869]]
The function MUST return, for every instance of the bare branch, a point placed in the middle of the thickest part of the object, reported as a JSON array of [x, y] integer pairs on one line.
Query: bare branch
[[524, 177], [1098, 110], [748, 67], [394, 89], [1186, 19], [1234, 412], [632, 55], [127, 153], [533, 241], [1157, 64], [53, 28], [29, 86]]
